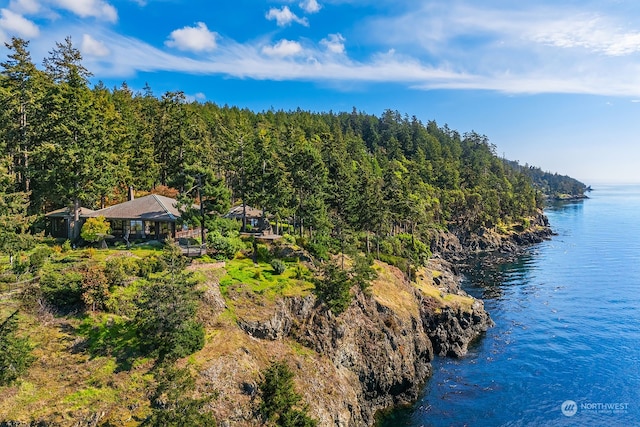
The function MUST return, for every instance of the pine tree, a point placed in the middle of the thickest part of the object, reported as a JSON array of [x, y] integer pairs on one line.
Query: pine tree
[[280, 403], [20, 99]]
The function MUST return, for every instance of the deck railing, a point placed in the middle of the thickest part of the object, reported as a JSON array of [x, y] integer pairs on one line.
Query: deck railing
[[194, 250], [189, 234]]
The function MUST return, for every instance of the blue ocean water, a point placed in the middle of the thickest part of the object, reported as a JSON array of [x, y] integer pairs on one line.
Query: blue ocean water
[[565, 350]]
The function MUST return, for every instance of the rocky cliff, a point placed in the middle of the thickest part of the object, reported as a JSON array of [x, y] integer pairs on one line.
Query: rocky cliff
[[377, 354], [374, 356]]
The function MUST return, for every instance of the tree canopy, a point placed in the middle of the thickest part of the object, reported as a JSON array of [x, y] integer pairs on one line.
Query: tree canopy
[[326, 174]]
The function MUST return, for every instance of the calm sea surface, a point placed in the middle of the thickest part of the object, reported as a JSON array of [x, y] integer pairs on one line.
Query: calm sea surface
[[565, 350]]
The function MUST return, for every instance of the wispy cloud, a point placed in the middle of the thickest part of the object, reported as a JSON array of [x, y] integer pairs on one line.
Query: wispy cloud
[[195, 39], [23, 7], [334, 43], [196, 97], [592, 33], [129, 55], [93, 47], [528, 49], [285, 17]]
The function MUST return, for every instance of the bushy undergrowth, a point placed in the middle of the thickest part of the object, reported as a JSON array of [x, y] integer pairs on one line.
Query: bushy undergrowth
[[224, 247], [15, 351]]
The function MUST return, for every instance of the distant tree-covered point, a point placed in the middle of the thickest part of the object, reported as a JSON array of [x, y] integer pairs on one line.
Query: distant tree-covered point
[[552, 184]]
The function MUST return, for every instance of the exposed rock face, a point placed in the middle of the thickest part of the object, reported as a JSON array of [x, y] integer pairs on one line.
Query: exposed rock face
[[389, 354], [451, 330], [386, 346], [458, 245]]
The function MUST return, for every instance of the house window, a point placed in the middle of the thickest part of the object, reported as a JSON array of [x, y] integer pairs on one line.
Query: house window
[[165, 228], [117, 227], [137, 227]]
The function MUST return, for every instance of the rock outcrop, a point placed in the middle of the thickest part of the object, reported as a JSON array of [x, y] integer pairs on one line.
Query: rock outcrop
[[384, 342], [458, 244], [451, 330]]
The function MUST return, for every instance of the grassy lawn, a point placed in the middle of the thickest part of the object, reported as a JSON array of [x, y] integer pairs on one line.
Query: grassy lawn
[[261, 279]]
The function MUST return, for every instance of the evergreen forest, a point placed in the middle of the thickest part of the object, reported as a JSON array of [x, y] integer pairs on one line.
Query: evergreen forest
[[330, 176]]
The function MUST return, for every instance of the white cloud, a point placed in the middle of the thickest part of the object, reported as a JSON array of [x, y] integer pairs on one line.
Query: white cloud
[[334, 43], [198, 97], [591, 33], [436, 28], [89, 8], [283, 49], [25, 7], [93, 47], [285, 17], [310, 6], [248, 61], [196, 39], [16, 24]]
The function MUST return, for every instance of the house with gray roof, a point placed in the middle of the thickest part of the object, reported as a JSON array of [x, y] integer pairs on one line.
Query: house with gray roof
[[151, 217]]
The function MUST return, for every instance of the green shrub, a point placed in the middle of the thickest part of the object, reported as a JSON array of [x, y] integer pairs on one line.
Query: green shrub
[[319, 250], [172, 406], [95, 287], [333, 288], [404, 246], [149, 265], [188, 339], [165, 317], [222, 247], [224, 226], [62, 290], [38, 257], [263, 253], [20, 265], [95, 229], [66, 246], [278, 266], [363, 273], [122, 300], [288, 238], [119, 269], [15, 351], [300, 271]]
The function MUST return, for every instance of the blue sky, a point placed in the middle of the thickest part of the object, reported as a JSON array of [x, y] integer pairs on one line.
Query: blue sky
[[554, 83]]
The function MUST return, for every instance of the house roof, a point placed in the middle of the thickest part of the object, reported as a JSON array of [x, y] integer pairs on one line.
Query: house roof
[[148, 208], [67, 212], [236, 212]]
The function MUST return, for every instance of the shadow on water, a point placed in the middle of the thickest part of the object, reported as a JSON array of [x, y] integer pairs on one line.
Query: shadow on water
[[488, 276], [564, 206]]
